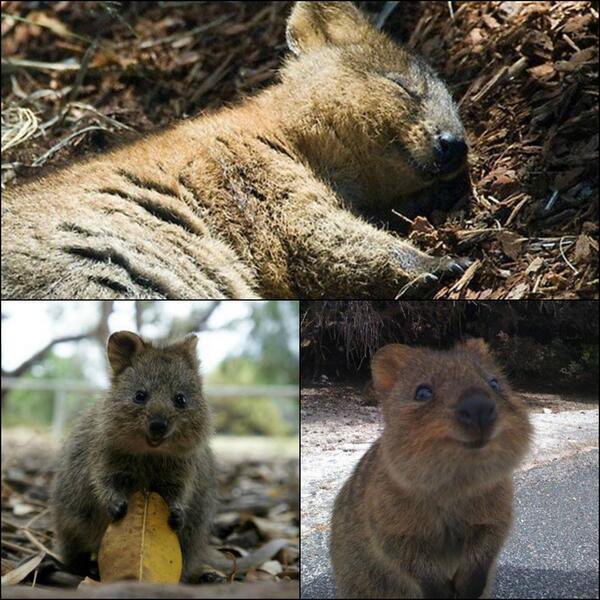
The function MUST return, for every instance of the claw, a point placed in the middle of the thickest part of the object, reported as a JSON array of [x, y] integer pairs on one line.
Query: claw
[[176, 518], [117, 509], [458, 265]]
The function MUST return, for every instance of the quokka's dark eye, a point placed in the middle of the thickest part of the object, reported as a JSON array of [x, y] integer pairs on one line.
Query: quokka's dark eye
[[423, 393], [403, 85], [494, 384], [180, 400], [140, 397]]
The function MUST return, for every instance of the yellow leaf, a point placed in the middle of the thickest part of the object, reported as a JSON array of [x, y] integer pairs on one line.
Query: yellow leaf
[[141, 545]]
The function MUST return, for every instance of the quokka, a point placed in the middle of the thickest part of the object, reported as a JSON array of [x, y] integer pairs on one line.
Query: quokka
[[428, 507], [149, 433], [269, 198]]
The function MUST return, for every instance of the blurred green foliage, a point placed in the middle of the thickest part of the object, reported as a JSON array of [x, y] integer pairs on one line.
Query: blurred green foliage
[[36, 407], [268, 355], [250, 416]]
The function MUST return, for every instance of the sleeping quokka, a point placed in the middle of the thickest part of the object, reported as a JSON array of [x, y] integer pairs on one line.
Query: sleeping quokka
[[270, 198]]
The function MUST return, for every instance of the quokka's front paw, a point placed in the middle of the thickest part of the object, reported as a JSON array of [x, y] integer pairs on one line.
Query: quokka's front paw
[[471, 584], [176, 518], [117, 508], [417, 265], [451, 265]]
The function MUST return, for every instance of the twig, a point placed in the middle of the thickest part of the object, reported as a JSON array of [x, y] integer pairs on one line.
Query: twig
[[571, 43], [560, 247], [185, 34], [412, 282], [41, 546], [35, 358], [499, 76], [403, 217], [515, 210], [535, 246], [65, 33], [212, 79], [16, 547], [386, 11], [234, 569], [10, 523], [451, 10], [14, 64], [85, 63], [466, 277], [42, 159], [109, 120], [18, 125], [551, 201]]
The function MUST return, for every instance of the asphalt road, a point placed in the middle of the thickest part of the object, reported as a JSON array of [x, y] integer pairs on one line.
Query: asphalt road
[[552, 551]]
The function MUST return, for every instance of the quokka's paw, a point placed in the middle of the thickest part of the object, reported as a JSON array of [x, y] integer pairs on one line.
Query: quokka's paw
[[453, 265], [434, 268], [424, 266], [117, 509], [176, 518]]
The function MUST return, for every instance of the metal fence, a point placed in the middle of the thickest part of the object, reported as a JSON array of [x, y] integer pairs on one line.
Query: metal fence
[[61, 387]]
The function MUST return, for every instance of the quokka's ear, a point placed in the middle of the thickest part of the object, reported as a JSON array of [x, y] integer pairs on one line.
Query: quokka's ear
[[478, 346], [121, 349], [387, 364], [189, 348], [315, 24]]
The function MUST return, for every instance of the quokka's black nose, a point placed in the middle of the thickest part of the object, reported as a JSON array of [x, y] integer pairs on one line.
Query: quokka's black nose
[[476, 409], [452, 151], [157, 427]]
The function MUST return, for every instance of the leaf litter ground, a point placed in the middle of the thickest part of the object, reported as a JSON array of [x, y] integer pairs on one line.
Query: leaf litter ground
[[258, 511]]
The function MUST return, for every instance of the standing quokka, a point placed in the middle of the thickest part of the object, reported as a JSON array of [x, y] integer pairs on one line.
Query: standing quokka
[[428, 507], [149, 433]]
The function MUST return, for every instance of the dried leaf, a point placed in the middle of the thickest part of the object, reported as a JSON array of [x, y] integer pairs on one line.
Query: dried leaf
[[583, 249], [274, 529], [251, 561], [542, 72], [511, 243], [422, 225], [272, 567], [17, 575], [490, 21], [87, 582], [141, 546], [22, 508], [577, 23], [585, 56], [51, 23], [518, 291], [535, 265]]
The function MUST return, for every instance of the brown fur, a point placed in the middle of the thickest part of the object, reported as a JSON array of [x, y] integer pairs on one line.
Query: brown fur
[[424, 515], [263, 199], [108, 453]]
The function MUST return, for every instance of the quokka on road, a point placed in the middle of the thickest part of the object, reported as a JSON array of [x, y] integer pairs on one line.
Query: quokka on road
[[429, 506], [269, 198]]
